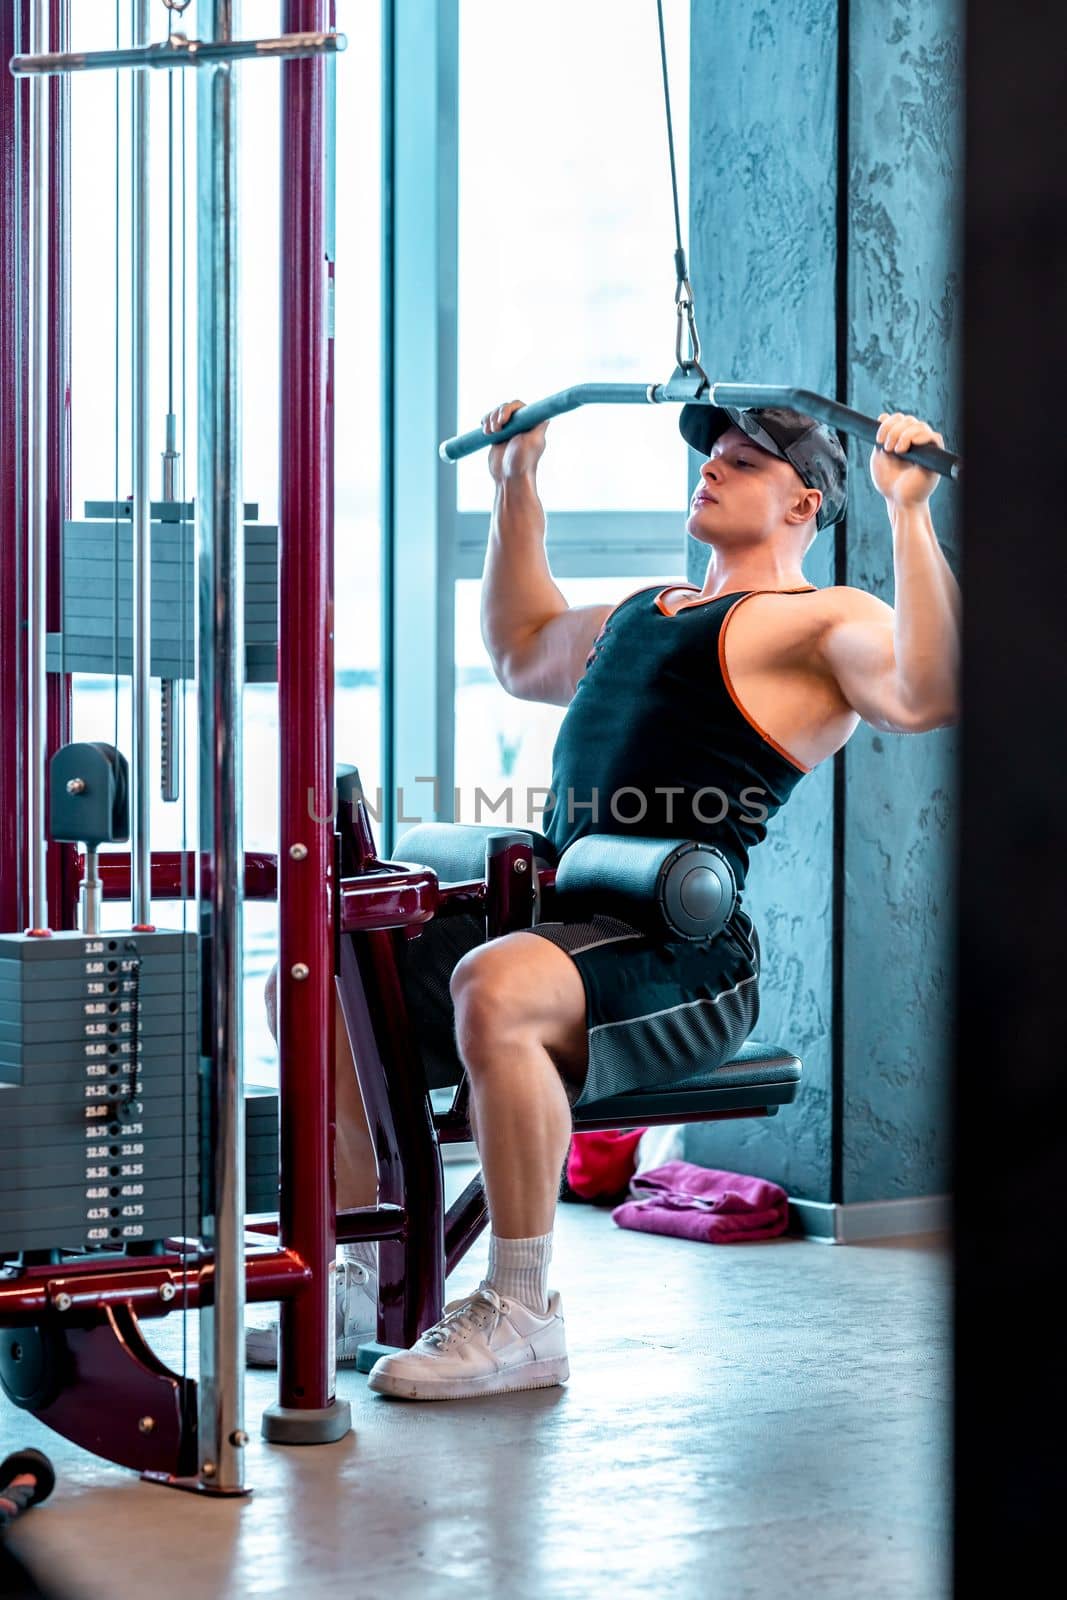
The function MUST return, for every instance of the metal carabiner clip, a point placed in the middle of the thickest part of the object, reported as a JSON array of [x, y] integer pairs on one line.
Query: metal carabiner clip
[[686, 322]]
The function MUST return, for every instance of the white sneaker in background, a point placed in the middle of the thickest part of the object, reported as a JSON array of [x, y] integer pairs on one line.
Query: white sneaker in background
[[483, 1344], [657, 1146], [356, 1312], [357, 1307]]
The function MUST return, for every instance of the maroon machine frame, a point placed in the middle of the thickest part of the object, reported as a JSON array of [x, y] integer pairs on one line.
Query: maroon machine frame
[[343, 912]]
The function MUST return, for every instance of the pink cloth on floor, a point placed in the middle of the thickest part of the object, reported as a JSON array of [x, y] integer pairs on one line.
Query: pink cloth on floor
[[701, 1203]]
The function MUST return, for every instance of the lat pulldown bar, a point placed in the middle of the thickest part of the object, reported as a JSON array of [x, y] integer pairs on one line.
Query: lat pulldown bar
[[680, 388]]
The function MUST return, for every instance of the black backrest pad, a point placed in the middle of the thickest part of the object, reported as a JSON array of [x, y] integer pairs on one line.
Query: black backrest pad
[[456, 850]]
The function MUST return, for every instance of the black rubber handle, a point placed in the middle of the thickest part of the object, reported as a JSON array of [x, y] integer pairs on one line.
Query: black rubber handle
[[30, 1464]]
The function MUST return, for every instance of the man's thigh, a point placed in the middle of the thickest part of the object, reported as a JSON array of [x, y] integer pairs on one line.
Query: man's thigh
[[538, 976], [521, 982]]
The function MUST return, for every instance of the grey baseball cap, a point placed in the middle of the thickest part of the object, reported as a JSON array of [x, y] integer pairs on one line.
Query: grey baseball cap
[[809, 447]]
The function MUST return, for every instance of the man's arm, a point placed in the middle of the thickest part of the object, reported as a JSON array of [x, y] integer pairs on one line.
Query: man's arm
[[537, 643], [899, 667]]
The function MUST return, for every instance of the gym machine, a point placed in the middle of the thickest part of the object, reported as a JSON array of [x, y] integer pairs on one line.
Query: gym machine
[[123, 1114]]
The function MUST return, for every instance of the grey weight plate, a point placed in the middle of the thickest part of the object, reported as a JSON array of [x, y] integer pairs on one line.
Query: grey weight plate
[[110, 1213], [69, 1169], [83, 1205], [84, 579], [76, 1247], [79, 653], [40, 1024], [75, 1020], [260, 1116], [178, 1212], [71, 1012], [161, 510], [162, 1116], [72, 1078], [72, 1054], [158, 510], [83, 626], [63, 946], [91, 590], [44, 1141], [71, 1188], [111, 967], [260, 1123], [94, 536], [50, 1142], [167, 989], [155, 1072]]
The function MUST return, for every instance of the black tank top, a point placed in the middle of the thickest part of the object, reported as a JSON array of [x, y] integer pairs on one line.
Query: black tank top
[[655, 744]]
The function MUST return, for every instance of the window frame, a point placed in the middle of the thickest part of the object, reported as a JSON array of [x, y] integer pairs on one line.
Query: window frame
[[428, 543]]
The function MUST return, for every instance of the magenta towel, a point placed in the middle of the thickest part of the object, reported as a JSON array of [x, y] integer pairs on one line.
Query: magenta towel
[[700, 1203]]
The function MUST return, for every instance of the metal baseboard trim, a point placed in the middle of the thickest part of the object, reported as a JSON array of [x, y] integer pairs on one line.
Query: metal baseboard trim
[[870, 1219]]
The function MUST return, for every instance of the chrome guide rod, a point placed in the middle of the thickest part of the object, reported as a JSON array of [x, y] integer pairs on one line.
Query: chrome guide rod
[[220, 574], [141, 687], [36, 576], [169, 688], [178, 51]]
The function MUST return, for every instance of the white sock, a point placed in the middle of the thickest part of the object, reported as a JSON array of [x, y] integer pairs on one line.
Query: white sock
[[365, 1251], [518, 1270]]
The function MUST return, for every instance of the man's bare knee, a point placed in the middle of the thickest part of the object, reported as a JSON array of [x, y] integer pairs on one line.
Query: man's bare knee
[[516, 991], [485, 1017]]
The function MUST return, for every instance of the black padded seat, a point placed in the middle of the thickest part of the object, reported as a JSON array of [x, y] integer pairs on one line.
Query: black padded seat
[[760, 1075]]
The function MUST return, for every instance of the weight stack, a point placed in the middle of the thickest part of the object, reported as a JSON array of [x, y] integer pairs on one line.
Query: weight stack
[[261, 1150], [97, 607], [99, 1091]]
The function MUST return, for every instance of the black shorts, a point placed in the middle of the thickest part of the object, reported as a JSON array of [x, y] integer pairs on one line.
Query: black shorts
[[659, 1014]]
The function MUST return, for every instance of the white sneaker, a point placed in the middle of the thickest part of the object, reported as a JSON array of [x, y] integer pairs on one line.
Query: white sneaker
[[357, 1318], [482, 1345]]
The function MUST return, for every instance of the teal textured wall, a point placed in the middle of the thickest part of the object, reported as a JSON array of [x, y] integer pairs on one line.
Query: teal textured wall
[[767, 235], [763, 256], [903, 308]]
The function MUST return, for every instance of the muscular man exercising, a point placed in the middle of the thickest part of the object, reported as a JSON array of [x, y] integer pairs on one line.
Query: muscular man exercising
[[736, 689]]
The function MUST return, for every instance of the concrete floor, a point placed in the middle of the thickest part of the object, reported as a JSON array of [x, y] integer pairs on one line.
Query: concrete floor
[[749, 1421]]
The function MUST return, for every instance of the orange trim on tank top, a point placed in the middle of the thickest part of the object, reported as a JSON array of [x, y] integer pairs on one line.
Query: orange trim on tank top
[[782, 751], [711, 598], [731, 691]]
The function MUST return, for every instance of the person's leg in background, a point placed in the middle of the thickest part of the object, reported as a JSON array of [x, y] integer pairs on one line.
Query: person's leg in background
[[357, 1185]]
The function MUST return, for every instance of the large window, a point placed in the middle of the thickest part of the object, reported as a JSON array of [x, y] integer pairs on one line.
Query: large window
[[358, 419], [565, 275], [566, 235]]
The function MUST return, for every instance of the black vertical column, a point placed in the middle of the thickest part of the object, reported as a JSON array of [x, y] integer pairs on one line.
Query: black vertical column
[[1011, 1079]]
